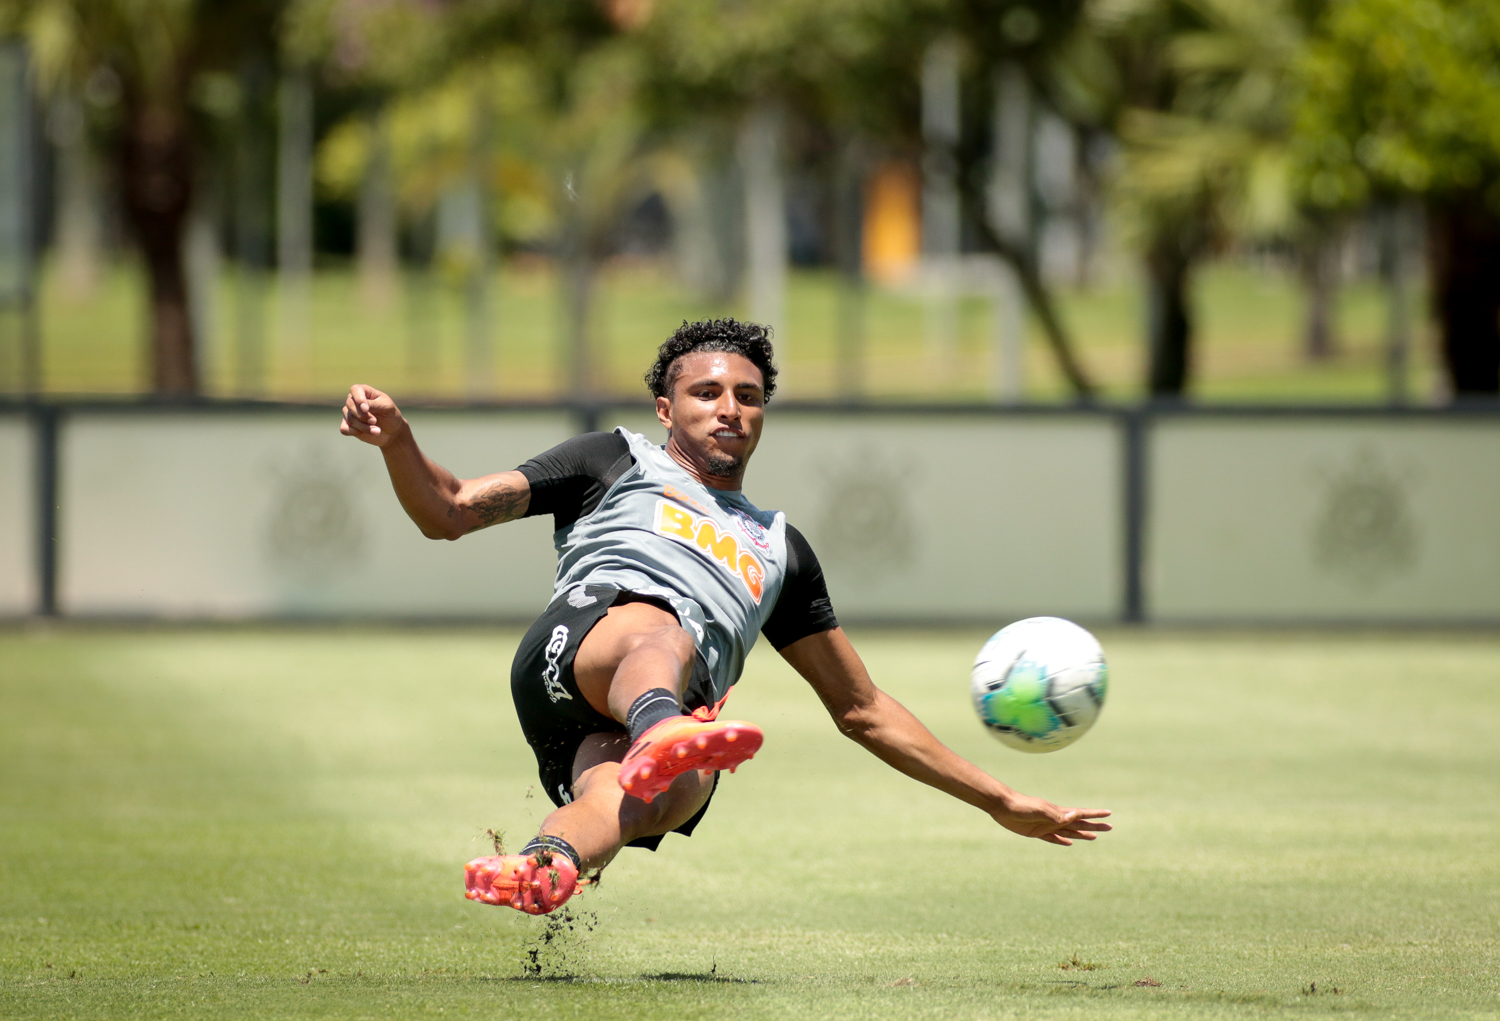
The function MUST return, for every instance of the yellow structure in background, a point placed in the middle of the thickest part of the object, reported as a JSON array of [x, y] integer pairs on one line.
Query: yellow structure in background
[[893, 223]]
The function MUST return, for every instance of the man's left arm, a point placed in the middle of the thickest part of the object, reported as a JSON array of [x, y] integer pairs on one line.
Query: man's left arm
[[877, 721]]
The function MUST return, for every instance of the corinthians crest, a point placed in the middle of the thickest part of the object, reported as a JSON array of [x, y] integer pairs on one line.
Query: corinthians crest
[[1365, 532], [866, 524], [314, 524]]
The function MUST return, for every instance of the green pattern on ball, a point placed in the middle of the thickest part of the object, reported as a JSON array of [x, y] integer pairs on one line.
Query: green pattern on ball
[[1020, 703]]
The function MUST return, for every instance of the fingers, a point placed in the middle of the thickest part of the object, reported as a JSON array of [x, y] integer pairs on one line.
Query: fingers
[[360, 409], [359, 419], [354, 422], [1073, 824], [1077, 834]]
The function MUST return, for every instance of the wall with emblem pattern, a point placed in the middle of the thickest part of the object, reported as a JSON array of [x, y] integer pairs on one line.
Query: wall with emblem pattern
[[947, 517], [917, 516], [276, 514], [1320, 519]]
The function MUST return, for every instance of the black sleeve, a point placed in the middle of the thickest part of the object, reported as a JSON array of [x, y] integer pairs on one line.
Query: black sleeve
[[569, 480], [803, 608]]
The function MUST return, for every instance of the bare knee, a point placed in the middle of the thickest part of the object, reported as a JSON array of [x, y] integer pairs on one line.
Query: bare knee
[[669, 640]]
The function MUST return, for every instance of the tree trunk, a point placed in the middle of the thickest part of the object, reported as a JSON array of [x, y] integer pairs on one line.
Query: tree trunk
[[1320, 280], [576, 294], [294, 226], [78, 229], [765, 217], [479, 361], [156, 171], [1465, 252], [375, 233], [848, 207], [1169, 327]]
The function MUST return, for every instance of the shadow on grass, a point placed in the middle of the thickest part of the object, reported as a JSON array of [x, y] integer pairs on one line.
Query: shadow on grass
[[705, 977]]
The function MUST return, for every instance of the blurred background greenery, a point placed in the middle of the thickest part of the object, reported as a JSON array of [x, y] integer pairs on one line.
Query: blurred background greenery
[[1235, 200]]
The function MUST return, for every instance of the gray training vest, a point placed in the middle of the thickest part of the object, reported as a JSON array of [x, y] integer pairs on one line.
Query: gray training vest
[[711, 554]]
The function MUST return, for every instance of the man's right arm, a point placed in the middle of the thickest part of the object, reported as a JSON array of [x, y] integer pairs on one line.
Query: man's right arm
[[443, 505]]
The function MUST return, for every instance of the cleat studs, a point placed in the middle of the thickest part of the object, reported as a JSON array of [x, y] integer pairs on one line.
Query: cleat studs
[[682, 751], [646, 773], [731, 735], [734, 767], [701, 742], [628, 785]]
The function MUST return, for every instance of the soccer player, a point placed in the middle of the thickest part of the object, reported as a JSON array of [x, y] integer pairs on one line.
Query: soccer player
[[666, 574]]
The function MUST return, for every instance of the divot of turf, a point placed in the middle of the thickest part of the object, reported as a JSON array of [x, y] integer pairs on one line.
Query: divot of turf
[[553, 951], [497, 839]]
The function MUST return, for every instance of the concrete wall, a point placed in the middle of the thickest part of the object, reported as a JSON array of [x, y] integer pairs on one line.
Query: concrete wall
[[947, 516], [242, 515], [1321, 519], [17, 521]]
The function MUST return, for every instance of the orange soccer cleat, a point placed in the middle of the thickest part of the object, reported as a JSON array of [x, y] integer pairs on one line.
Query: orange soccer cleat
[[535, 883], [674, 746]]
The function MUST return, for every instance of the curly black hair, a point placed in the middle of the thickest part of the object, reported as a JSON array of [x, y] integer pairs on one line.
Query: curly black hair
[[751, 340]]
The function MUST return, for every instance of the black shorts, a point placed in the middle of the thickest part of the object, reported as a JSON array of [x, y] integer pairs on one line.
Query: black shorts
[[554, 715]]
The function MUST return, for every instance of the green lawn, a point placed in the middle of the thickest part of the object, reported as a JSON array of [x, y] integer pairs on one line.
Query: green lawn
[[1249, 320], [272, 823]]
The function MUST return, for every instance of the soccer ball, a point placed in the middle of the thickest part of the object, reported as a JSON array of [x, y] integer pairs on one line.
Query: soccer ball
[[1039, 683]]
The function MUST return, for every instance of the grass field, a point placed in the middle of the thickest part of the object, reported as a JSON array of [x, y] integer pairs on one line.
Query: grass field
[[272, 824], [1248, 349]]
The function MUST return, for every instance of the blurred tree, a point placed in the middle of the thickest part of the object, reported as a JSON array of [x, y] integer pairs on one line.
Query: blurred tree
[[1199, 93], [1014, 41], [142, 65], [851, 69], [1401, 97], [533, 103]]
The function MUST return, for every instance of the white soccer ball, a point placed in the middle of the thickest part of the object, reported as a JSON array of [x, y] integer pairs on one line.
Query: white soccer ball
[[1038, 684]]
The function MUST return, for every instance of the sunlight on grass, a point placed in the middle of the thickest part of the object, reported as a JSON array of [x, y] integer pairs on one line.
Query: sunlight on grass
[[272, 823]]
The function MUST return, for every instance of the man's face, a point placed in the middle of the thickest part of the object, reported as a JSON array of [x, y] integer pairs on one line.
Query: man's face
[[715, 413]]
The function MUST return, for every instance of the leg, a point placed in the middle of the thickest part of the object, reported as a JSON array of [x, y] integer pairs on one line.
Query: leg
[[601, 819], [633, 648], [629, 650]]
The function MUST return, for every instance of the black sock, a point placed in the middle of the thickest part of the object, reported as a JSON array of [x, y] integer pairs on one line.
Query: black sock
[[650, 709], [553, 845]]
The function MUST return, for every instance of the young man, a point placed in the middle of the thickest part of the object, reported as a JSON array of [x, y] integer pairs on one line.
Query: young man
[[666, 574]]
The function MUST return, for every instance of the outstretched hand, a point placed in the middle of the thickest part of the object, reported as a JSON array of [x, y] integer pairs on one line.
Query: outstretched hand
[[1033, 817], [370, 416]]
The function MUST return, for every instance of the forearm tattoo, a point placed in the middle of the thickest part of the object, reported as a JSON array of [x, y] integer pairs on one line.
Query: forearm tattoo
[[499, 501]]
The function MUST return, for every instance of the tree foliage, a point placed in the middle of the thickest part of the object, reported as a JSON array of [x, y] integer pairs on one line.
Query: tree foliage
[[1400, 96]]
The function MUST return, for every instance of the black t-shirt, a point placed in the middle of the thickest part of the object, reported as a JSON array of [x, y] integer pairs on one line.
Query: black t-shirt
[[570, 480]]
